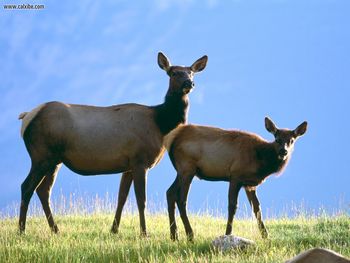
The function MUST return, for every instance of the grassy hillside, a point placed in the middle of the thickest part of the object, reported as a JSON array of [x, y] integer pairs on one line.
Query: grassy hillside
[[87, 239]]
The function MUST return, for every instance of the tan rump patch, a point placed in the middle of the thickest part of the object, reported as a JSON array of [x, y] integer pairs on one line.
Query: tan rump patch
[[27, 117]]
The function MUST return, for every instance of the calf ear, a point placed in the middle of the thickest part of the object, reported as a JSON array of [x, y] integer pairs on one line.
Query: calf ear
[[301, 129], [163, 62], [270, 126], [200, 64]]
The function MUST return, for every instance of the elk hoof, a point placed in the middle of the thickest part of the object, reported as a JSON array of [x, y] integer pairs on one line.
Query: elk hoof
[[54, 229], [21, 229], [190, 237], [264, 234], [114, 230], [174, 236], [144, 235]]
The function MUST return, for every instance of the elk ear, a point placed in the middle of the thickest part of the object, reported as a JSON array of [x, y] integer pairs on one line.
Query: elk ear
[[270, 126], [200, 64], [301, 129], [163, 62]]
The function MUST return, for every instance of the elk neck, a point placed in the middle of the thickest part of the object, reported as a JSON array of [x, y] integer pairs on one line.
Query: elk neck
[[269, 163], [172, 112]]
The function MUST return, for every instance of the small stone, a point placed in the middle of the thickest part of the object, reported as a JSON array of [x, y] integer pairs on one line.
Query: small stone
[[229, 242]]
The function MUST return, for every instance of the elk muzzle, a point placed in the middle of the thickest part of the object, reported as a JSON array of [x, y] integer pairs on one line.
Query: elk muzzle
[[187, 86], [282, 153]]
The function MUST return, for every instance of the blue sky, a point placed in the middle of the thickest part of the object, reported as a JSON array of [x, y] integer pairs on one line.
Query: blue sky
[[288, 60]]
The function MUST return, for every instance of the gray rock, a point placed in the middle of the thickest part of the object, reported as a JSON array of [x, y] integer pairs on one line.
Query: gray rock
[[229, 242]]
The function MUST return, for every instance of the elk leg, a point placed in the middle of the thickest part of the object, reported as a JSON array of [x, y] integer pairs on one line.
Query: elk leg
[[139, 178], [35, 176], [171, 195], [185, 183], [124, 188], [232, 204], [255, 204], [44, 192]]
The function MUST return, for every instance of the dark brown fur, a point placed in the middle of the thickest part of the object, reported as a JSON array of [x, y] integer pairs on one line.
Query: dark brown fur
[[269, 163], [171, 113]]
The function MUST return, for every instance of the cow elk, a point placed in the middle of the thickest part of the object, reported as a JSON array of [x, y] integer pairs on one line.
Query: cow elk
[[243, 159], [89, 140]]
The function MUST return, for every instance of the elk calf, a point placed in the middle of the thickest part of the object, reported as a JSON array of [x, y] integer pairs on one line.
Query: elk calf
[[243, 159], [91, 140]]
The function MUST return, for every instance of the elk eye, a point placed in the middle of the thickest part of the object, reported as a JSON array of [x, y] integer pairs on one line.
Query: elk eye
[[279, 141]]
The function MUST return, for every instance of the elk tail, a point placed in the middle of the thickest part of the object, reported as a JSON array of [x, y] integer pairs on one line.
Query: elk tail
[[27, 117], [22, 115]]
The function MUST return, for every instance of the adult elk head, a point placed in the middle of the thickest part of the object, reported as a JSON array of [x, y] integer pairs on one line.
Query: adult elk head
[[181, 78]]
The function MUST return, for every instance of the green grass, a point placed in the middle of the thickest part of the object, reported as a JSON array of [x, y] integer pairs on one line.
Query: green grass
[[87, 239]]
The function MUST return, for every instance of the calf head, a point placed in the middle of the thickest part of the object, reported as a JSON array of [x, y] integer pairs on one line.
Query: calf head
[[181, 78], [284, 138]]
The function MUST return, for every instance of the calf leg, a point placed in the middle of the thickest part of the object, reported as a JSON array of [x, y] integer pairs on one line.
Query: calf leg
[[44, 192], [185, 183], [139, 177], [171, 195], [34, 178], [255, 204], [124, 188], [232, 204]]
